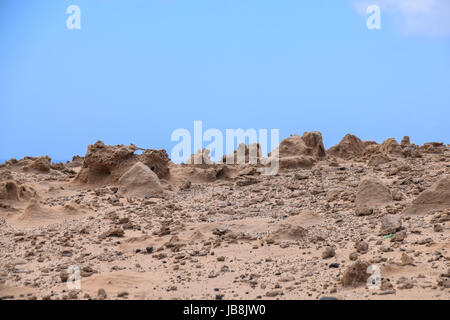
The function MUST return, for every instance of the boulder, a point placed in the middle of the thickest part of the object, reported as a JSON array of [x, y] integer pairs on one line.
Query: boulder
[[140, 181], [391, 224], [372, 193], [349, 147], [355, 274]]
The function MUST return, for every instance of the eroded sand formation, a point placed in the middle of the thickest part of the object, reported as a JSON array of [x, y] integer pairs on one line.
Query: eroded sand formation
[[141, 227]]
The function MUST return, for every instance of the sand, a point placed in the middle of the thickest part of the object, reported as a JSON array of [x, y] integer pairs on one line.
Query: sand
[[142, 227]]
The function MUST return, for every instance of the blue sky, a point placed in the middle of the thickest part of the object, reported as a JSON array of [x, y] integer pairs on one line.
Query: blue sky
[[139, 69]]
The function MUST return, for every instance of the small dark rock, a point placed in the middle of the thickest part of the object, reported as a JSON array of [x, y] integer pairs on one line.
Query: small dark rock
[[334, 265]]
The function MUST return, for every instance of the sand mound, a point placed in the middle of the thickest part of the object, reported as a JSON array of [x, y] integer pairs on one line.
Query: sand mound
[[288, 231], [349, 147], [36, 214], [157, 161], [436, 197], [310, 144], [293, 228], [372, 193], [299, 152], [103, 164], [106, 164], [39, 164], [35, 211], [391, 147], [140, 181]]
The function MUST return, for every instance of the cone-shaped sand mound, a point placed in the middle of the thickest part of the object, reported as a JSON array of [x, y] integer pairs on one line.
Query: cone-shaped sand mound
[[140, 181], [435, 198]]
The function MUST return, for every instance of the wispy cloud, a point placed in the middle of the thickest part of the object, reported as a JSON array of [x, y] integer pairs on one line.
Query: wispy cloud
[[413, 17]]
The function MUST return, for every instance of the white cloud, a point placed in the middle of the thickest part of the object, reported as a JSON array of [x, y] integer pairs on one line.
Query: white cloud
[[413, 17]]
